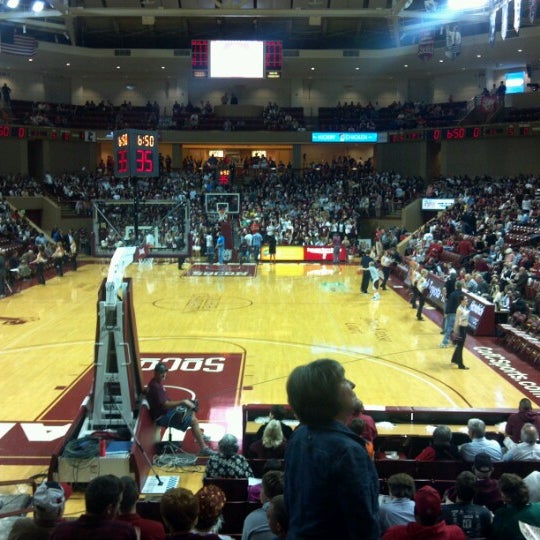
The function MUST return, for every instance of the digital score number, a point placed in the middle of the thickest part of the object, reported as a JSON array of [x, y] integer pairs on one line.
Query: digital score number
[[454, 134], [12, 131], [477, 132], [136, 153], [404, 136], [460, 133]]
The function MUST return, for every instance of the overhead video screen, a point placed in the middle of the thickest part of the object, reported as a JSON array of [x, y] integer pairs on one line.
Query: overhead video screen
[[515, 82], [236, 59], [242, 59]]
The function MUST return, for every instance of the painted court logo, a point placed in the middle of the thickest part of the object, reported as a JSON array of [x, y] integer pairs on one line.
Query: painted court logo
[[225, 270], [504, 365], [8, 321], [213, 378]]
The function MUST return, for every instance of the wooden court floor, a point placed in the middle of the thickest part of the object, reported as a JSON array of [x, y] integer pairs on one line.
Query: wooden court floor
[[286, 315]]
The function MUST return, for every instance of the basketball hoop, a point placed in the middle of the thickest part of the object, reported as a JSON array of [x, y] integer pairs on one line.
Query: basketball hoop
[[222, 214]]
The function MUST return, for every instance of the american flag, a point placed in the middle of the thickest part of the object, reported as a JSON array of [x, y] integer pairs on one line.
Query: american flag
[[22, 45]]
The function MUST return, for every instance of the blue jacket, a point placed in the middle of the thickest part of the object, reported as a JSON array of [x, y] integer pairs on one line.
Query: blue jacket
[[331, 485]]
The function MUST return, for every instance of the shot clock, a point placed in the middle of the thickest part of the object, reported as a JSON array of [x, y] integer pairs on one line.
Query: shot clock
[[136, 153]]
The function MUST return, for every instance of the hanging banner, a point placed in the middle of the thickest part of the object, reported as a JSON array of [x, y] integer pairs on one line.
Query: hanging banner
[[426, 46]]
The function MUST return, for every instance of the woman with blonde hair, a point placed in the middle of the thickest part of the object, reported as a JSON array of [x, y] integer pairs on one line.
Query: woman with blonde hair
[[460, 331], [58, 256], [40, 261], [272, 445]]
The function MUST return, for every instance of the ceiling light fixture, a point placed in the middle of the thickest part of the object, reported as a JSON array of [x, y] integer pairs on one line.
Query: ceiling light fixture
[[12, 4], [37, 6]]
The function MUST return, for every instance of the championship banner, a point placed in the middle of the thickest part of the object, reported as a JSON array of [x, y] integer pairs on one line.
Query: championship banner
[[453, 42], [492, 28], [504, 21], [517, 15], [532, 10], [426, 46]]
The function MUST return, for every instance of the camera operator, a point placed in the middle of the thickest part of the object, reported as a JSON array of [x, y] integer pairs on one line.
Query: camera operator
[[179, 414]]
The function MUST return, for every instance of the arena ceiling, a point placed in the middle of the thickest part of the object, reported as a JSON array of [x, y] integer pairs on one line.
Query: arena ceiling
[[346, 39]]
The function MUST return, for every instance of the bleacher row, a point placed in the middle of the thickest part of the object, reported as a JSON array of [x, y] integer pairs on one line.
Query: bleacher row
[[521, 236], [522, 342], [329, 118], [521, 334], [136, 117], [512, 114], [406, 446], [452, 258], [440, 475], [234, 512], [405, 415], [80, 117]]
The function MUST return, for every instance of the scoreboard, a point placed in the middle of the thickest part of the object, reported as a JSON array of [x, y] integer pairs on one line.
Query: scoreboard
[[476, 132], [53, 134], [461, 133], [271, 60], [17, 132], [136, 153]]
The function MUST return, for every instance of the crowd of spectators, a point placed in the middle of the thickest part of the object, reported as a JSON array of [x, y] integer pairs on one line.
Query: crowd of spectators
[[19, 185], [308, 207], [478, 228], [321, 199], [276, 118], [344, 117], [371, 117], [475, 505], [14, 228], [324, 199]]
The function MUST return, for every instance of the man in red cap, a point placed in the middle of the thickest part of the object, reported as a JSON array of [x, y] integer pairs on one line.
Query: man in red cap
[[427, 524]]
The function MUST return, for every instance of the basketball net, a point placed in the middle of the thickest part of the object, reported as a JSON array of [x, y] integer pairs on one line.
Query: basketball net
[[222, 214]]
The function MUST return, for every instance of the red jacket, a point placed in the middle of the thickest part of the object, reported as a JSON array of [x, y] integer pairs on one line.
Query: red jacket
[[515, 423], [150, 529], [414, 531]]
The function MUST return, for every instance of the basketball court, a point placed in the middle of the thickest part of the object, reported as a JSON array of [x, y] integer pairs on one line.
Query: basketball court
[[231, 337]]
